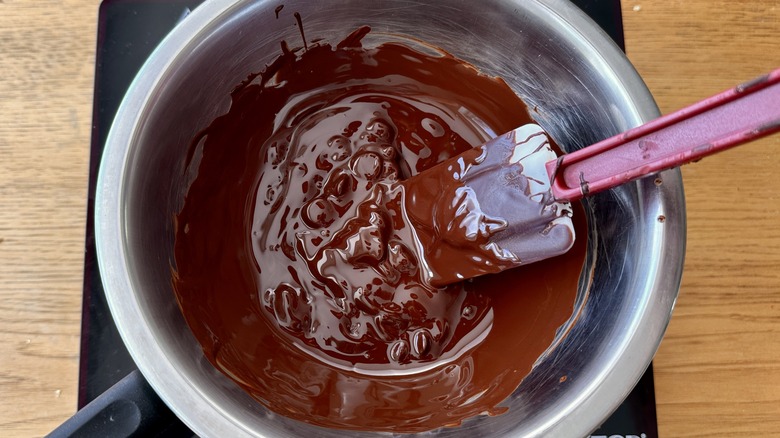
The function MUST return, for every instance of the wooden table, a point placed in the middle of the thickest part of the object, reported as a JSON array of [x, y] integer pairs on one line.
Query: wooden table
[[718, 369]]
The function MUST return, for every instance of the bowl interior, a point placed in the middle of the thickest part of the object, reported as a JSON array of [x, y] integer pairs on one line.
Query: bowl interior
[[555, 58]]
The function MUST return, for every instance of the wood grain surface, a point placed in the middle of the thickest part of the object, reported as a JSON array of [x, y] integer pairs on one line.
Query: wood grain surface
[[718, 368]]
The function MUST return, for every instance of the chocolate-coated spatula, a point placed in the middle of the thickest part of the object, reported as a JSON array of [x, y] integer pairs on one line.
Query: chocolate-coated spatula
[[514, 190]]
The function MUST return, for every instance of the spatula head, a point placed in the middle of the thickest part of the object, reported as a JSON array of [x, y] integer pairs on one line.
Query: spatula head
[[512, 183], [493, 209]]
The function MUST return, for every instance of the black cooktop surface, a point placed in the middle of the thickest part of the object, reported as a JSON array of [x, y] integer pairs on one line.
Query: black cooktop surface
[[128, 31]]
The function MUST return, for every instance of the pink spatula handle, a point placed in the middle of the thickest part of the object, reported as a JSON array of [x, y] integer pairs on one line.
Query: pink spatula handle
[[734, 117]]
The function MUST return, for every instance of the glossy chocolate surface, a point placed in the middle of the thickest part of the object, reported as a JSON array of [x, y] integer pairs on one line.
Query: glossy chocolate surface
[[301, 272]]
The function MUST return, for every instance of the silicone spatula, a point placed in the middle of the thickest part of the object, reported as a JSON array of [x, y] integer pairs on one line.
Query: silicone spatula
[[519, 190]]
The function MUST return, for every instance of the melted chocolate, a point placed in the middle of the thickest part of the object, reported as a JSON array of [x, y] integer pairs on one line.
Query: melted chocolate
[[297, 267]]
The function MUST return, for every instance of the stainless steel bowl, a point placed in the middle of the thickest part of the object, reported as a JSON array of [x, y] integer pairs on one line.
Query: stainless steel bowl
[[548, 51]]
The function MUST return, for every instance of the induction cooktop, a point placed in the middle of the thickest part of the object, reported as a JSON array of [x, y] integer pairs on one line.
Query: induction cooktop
[[128, 31]]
